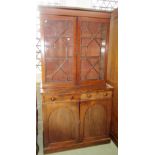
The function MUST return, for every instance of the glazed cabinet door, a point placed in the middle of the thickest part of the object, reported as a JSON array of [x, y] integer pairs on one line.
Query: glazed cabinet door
[[58, 50], [92, 50], [95, 119], [61, 124]]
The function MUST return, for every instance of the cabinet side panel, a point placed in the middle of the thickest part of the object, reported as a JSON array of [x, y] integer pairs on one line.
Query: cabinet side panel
[[112, 73]]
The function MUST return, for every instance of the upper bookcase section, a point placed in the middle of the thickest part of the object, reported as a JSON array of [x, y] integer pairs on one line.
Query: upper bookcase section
[[74, 46]]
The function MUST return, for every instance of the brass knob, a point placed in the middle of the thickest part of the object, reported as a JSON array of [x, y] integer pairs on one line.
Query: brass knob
[[88, 95], [105, 94], [72, 97], [53, 99]]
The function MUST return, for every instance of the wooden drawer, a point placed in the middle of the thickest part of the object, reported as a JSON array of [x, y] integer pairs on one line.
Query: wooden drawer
[[96, 95], [61, 98]]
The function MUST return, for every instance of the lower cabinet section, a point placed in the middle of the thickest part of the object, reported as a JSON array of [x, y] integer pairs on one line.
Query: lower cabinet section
[[82, 121]]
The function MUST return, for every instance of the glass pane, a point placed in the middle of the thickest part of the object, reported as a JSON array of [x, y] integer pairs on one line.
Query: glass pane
[[59, 70], [93, 43], [58, 45]]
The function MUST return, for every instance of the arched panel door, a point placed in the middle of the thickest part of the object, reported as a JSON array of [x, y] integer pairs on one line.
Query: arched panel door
[[95, 119], [61, 123]]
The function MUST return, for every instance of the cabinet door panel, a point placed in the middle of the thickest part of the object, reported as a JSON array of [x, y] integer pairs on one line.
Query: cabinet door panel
[[93, 45], [61, 122], [95, 119], [58, 35]]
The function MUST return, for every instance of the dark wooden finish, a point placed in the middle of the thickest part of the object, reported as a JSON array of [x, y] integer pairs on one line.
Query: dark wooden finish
[[76, 118], [65, 40], [75, 97], [95, 119], [74, 12], [59, 46], [68, 146], [93, 40], [113, 72], [61, 122]]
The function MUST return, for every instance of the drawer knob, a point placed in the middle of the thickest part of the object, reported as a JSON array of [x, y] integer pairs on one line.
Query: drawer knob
[[72, 97], [88, 95], [53, 99], [105, 94]]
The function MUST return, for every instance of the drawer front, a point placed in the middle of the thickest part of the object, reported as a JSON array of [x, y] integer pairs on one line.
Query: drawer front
[[96, 95], [60, 98]]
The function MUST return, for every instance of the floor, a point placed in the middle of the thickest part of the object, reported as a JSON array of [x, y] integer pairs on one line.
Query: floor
[[106, 149]]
